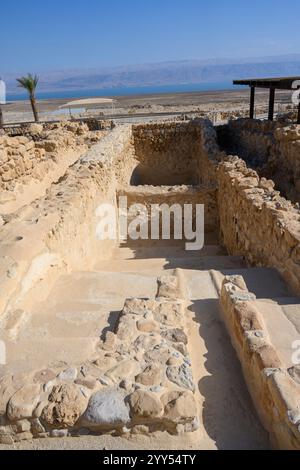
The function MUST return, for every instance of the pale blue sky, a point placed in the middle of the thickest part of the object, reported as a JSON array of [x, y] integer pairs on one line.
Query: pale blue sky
[[62, 34]]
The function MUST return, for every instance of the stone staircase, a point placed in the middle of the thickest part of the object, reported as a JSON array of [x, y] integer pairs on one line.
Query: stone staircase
[[66, 327]]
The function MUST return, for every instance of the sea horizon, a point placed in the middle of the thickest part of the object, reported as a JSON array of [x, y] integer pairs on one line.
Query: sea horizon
[[125, 91]]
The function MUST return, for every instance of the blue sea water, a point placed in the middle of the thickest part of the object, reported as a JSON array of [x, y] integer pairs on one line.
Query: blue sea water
[[115, 92]]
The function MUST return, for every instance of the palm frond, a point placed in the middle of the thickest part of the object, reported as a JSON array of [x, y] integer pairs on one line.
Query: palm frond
[[29, 82]]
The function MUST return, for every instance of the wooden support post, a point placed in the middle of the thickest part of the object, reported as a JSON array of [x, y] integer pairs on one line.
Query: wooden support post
[[252, 100], [298, 120], [1, 117], [271, 104]]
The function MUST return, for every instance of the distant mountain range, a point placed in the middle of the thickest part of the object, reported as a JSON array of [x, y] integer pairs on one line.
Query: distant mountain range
[[164, 73]]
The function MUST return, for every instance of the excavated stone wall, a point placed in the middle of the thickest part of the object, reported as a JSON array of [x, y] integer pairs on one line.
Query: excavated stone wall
[[275, 392], [175, 195], [18, 155], [64, 223], [273, 148], [167, 154], [261, 225], [27, 130], [63, 226], [172, 166], [257, 222], [29, 164], [251, 139], [254, 221], [174, 154]]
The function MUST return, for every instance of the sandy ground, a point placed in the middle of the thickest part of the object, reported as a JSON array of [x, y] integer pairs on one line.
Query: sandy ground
[[159, 441], [235, 100]]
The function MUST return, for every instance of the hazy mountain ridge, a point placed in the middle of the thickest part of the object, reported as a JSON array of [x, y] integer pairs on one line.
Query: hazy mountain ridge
[[165, 73]]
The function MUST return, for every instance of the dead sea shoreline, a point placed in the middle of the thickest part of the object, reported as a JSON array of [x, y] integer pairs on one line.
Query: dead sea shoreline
[[181, 102]]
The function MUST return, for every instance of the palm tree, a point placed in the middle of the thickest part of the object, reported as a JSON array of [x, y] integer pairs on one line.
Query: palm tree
[[30, 82]]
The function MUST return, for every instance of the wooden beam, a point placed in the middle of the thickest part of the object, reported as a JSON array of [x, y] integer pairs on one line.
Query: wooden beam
[[277, 83], [252, 101], [271, 104], [298, 120]]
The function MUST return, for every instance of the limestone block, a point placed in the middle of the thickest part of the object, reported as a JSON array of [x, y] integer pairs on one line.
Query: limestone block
[[152, 375], [9, 175], [35, 129], [147, 326], [106, 409], [182, 376], [169, 313], [127, 328], [138, 306], [23, 436], [295, 373], [23, 402], [168, 287], [66, 404], [180, 407], [145, 404], [123, 369], [176, 335], [68, 375]]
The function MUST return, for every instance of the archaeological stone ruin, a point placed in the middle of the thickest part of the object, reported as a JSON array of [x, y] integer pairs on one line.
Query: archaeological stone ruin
[[129, 338]]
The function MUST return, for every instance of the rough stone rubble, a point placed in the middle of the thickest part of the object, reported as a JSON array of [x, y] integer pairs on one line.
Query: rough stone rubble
[[31, 162], [141, 380]]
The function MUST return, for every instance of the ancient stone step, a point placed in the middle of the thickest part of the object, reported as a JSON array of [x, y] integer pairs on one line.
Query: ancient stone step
[[157, 264], [263, 282], [282, 321], [199, 285], [168, 251], [82, 305], [26, 355], [98, 287]]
